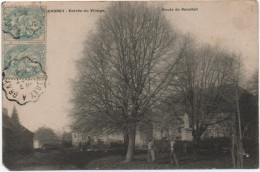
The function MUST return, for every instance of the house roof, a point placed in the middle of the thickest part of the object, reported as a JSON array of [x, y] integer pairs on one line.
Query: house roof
[[8, 123]]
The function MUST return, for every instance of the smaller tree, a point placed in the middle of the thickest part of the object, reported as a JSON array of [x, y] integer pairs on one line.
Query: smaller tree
[[15, 116], [204, 80], [45, 135]]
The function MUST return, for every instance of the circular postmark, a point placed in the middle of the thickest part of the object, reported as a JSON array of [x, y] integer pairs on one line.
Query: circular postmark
[[24, 90]]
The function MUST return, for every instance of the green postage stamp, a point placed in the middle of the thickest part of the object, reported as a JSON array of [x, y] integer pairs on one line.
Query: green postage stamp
[[22, 61], [24, 24]]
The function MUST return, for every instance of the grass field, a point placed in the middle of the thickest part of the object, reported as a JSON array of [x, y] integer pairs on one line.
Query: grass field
[[114, 159]]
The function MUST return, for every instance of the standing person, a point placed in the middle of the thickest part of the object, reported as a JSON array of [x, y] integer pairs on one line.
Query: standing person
[[173, 153], [151, 152]]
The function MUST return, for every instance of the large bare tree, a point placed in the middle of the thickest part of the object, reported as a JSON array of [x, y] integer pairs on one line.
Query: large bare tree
[[205, 80], [128, 63]]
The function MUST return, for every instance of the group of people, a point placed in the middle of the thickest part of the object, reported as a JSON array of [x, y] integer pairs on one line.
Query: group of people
[[152, 154]]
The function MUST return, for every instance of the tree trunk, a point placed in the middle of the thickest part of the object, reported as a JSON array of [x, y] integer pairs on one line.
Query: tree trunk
[[233, 151], [126, 139], [196, 139], [196, 136], [237, 147], [240, 145], [131, 143]]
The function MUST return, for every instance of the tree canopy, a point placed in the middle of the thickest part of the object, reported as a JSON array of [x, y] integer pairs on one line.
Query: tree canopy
[[45, 135], [205, 80], [127, 65]]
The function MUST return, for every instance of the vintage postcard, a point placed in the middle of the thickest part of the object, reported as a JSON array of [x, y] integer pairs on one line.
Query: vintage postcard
[[130, 85]]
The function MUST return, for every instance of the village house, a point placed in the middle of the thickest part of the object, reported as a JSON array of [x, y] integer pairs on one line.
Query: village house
[[48, 144], [80, 139], [16, 138]]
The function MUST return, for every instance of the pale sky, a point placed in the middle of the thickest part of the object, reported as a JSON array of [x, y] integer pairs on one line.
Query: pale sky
[[228, 25]]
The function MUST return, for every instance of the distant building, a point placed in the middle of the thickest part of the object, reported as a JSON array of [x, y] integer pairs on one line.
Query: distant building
[[111, 138], [180, 130], [16, 138], [172, 130], [48, 144], [79, 138], [36, 144], [215, 131]]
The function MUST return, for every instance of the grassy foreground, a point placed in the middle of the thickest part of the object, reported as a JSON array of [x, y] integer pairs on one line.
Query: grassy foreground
[[72, 160]]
